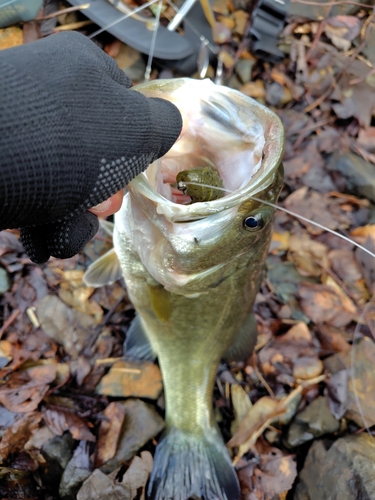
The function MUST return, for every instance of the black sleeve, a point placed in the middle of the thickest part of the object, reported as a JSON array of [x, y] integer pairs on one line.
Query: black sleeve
[[71, 133]]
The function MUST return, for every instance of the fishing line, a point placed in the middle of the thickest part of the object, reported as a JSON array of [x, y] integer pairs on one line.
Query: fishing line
[[293, 214], [125, 16], [153, 42]]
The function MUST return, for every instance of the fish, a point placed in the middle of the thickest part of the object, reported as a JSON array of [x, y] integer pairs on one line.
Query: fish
[[192, 271]]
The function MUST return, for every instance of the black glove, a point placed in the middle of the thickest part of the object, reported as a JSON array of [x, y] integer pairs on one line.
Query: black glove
[[72, 134]]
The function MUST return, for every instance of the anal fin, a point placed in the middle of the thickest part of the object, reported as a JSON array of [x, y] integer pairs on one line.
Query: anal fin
[[136, 344], [245, 341]]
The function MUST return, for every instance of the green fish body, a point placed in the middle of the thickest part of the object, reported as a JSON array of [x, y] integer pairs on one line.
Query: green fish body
[[192, 273]]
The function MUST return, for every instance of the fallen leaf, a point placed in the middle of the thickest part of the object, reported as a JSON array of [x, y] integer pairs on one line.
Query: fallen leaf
[[10, 37], [137, 475], [16, 436], [323, 304], [132, 378], [25, 390], [109, 433], [142, 422], [278, 472], [71, 328], [241, 17], [313, 206], [309, 256], [61, 420], [254, 89], [132, 486], [342, 30], [241, 405]]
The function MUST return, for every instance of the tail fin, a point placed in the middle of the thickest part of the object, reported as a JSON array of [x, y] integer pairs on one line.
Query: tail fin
[[186, 466]]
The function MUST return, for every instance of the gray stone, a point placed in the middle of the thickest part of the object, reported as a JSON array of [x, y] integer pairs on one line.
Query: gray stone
[[344, 472], [5, 282], [77, 470], [244, 68], [141, 424], [314, 421], [358, 174], [57, 453]]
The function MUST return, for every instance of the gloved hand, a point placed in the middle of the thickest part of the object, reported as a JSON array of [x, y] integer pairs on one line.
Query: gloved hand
[[72, 134]]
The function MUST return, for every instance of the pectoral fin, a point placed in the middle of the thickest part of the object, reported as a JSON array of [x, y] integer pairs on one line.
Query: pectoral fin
[[136, 344], [245, 341], [104, 271]]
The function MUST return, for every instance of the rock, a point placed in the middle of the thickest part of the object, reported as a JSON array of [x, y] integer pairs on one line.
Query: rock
[[77, 470], [141, 379], [57, 453], [141, 424], [345, 471], [5, 282], [131, 61], [357, 174], [307, 367], [314, 421], [244, 68]]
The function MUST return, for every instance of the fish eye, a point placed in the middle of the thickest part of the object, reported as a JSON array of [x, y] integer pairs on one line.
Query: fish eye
[[253, 223], [181, 186]]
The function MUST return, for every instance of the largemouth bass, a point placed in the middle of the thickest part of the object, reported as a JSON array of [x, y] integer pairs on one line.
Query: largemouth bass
[[192, 271]]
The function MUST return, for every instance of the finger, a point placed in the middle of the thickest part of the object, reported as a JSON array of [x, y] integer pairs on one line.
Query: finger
[[110, 206]]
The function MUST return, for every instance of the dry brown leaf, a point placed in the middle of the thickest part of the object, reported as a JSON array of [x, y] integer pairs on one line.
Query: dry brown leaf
[[278, 472], [25, 390], [61, 420], [323, 304], [109, 433], [137, 475], [16, 436], [342, 30], [241, 405], [280, 241], [366, 138], [263, 410], [309, 256], [10, 37], [140, 379], [241, 17], [313, 206], [254, 89]]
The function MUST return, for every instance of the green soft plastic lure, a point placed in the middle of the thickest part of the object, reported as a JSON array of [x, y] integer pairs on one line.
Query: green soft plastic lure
[[200, 175]]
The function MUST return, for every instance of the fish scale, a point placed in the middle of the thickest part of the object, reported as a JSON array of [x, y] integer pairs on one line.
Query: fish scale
[[192, 273]]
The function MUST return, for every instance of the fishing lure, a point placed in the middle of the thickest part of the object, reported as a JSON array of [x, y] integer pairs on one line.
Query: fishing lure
[[200, 184]]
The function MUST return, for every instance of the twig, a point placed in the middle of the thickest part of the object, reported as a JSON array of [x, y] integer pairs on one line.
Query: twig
[[261, 378], [72, 26], [318, 34], [65, 11], [9, 321]]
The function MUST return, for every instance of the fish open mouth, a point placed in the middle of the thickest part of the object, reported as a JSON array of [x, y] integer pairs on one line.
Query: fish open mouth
[[221, 135]]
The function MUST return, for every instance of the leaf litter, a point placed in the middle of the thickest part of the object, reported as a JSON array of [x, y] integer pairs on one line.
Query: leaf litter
[[72, 420]]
